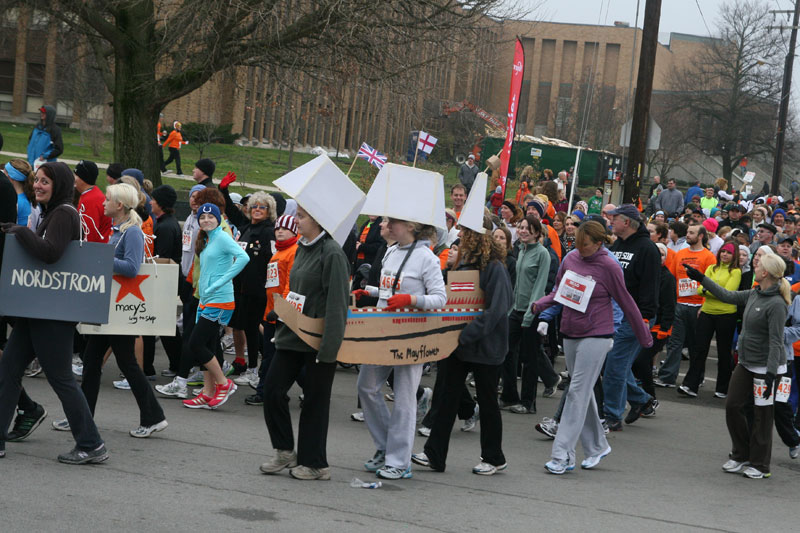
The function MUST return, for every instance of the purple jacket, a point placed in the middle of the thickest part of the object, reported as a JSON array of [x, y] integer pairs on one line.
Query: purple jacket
[[598, 318]]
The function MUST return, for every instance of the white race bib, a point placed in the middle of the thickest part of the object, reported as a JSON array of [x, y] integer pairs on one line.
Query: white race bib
[[759, 386], [783, 390], [687, 287], [187, 241], [575, 290], [297, 300], [386, 283], [272, 275]]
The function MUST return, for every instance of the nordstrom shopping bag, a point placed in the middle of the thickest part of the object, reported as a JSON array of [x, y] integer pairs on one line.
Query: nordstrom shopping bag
[[75, 288], [143, 305]]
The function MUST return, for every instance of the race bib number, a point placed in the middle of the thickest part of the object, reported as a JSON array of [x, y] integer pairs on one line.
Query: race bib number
[[186, 244], [687, 287], [783, 390], [296, 300], [387, 281], [272, 275], [575, 291], [759, 386]]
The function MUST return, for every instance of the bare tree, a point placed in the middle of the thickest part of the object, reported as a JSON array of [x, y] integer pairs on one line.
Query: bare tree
[[591, 116], [152, 52], [728, 94], [674, 148]]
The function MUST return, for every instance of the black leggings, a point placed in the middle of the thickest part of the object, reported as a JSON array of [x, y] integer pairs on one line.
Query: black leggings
[[204, 339], [247, 317], [174, 155]]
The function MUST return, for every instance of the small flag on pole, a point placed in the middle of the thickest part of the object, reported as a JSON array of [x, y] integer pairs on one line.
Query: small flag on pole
[[426, 142], [372, 156]]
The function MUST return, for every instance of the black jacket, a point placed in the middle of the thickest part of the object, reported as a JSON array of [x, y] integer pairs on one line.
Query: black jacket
[[168, 238], [8, 209], [511, 266], [60, 223], [641, 264], [485, 339], [666, 299], [371, 243], [259, 238]]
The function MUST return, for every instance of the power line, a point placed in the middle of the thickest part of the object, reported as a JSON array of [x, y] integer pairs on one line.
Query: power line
[[702, 17]]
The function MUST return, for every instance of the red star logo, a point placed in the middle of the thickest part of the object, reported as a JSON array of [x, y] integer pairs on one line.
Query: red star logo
[[130, 286]]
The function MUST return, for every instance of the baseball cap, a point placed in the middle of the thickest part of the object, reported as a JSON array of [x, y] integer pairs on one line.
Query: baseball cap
[[786, 238], [628, 210]]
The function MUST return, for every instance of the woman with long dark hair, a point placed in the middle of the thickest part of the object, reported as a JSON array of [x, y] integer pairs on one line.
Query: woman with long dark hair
[[49, 340]]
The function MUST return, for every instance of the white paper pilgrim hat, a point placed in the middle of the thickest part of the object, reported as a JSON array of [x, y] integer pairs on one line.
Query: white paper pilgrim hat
[[473, 210], [407, 193], [326, 194]]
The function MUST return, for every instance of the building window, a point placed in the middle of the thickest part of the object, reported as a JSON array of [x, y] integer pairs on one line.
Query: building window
[[35, 79], [6, 77]]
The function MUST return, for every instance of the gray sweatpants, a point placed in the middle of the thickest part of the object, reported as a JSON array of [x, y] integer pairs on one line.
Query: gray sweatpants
[[579, 419], [392, 432]]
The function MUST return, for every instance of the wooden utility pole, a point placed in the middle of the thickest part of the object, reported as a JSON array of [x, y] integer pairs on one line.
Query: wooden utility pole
[[641, 102], [777, 168]]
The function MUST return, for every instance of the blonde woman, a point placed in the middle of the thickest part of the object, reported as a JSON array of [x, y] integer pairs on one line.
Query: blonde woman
[[761, 359], [128, 241]]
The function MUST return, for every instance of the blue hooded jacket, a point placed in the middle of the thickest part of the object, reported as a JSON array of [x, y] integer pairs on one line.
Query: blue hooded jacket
[[45, 139]]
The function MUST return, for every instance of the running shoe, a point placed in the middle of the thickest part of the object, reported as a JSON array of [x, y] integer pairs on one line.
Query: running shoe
[[735, 467], [81, 457], [424, 403], [226, 341], [559, 466], [199, 402], [471, 422], [424, 431], [168, 373], [227, 368], [173, 389], [195, 379], [389, 396], [593, 460], [794, 451], [549, 391], [650, 411], [522, 410], [754, 473], [254, 399], [308, 474], [720, 395], [222, 393], [283, 459], [637, 410], [34, 369], [122, 384], [378, 461], [357, 417], [548, 427], [659, 383], [249, 377], [420, 459], [391, 472], [614, 425], [486, 469], [142, 432], [26, 423], [77, 369], [61, 425], [686, 391]]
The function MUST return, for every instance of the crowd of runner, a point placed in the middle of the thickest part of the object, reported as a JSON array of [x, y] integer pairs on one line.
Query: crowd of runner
[[645, 286]]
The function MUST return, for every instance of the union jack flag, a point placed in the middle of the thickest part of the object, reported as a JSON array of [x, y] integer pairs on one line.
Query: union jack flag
[[372, 156]]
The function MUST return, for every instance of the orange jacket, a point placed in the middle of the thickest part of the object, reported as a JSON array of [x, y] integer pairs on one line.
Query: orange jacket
[[174, 140], [523, 190], [283, 259], [555, 241], [149, 242]]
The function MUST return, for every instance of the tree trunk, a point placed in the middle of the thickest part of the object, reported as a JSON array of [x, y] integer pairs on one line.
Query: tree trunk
[[727, 168], [135, 115]]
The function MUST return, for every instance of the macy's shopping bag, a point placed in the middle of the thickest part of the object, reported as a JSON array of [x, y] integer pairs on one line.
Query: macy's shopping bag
[[142, 305], [74, 288]]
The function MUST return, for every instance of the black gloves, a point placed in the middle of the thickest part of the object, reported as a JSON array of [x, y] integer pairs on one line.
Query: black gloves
[[769, 379], [693, 273]]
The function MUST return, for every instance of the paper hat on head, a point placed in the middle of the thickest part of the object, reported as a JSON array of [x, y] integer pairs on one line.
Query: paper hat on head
[[407, 193], [326, 194], [472, 213]]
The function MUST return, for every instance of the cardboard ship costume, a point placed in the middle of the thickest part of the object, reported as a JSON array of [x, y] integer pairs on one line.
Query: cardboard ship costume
[[405, 336]]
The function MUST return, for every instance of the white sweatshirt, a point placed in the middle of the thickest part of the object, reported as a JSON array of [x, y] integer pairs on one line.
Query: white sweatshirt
[[421, 276]]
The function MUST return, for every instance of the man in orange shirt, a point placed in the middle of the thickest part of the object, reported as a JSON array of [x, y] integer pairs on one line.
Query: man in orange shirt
[[689, 302]]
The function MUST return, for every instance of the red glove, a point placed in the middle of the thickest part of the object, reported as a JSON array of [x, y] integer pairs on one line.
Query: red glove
[[229, 178], [360, 293], [660, 335], [398, 301]]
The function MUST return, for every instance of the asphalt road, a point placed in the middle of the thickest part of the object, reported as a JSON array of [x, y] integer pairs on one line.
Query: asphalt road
[[201, 474]]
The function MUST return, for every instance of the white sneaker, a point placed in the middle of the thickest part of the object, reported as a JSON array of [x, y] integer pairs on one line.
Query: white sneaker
[[735, 467], [195, 378], [227, 368], [174, 389], [250, 377], [34, 369], [357, 417], [142, 432], [122, 384], [593, 460], [469, 424], [61, 425], [227, 341], [423, 431]]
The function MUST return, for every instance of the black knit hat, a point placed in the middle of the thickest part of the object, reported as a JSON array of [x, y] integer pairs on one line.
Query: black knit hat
[[114, 171], [87, 171], [165, 196], [206, 166]]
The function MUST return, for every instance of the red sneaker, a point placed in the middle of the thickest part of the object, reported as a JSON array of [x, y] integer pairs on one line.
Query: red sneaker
[[222, 394], [201, 401]]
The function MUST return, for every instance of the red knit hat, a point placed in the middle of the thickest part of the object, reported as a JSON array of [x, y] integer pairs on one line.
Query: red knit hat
[[287, 222]]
